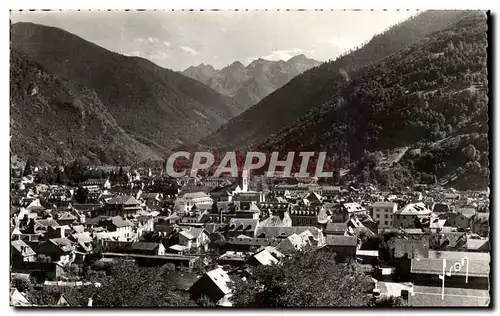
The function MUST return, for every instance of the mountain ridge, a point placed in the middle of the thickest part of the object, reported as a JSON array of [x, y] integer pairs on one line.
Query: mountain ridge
[[248, 85], [308, 88], [149, 103]]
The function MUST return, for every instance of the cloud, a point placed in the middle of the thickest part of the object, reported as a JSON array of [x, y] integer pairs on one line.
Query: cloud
[[166, 43], [345, 43], [153, 40], [286, 54], [149, 55], [158, 55], [189, 50]]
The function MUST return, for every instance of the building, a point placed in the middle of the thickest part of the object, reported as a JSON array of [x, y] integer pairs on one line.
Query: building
[[148, 248], [345, 247], [411, 216], [123, 205], [118, 227], [214, 285], [185, 202], [194, 238], [342, 212], [339, 229], [60, 250], [382, 213], [21, 252], [103, 184]]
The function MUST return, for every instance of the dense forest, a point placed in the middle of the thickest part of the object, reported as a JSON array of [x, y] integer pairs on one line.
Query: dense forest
[[317, 85], [430, 96], [53, 120]]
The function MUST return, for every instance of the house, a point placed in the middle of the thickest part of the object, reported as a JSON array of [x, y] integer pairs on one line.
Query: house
[[336, 229], [67, 218], [249, 244], [119, 227], [426, 271], [20, 252], [60, 250], [345, 247], [186, 201], [242, 226], [342, 212], [17, 299], [83, 243], [367, 256], [291, 244], [457, 220], [122, 205], [103, 184], [194, 238], [480, 224], [382, 213], [451, 240], [441, 208], [214, 285], [153, 200], [284, 232], [231, 258], [148, 248], [262, 258], [478, 245], [246, 210], [257, 197], [221, 194], [403, 251], [280, 219], [304, 215], [411, 216]]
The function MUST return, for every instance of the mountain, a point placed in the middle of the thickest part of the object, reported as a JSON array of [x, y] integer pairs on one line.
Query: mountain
[[248, 85], [317, 85], [419, 114], [55, 120], [152, 105]]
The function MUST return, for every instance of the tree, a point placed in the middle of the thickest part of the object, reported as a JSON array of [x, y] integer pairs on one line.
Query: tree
[[306, 279], [82, 195], [130, 285], [22, 285], [390, 301], [27, 168]]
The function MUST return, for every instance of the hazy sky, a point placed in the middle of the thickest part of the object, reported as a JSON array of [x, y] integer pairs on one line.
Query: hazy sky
[[179, 39]]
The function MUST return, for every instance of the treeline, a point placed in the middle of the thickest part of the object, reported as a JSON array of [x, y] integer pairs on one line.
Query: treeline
[[73, 174]]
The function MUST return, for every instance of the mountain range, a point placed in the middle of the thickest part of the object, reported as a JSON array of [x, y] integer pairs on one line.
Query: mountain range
[[248, 85], [153, 106]]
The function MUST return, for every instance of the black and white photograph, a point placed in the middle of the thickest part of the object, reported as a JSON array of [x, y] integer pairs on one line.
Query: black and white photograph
[[250, 158]]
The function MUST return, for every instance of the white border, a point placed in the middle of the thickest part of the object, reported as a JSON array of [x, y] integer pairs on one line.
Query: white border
[[200, 4]]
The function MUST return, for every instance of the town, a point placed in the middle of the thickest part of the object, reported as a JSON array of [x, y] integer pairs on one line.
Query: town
[[213, 230]]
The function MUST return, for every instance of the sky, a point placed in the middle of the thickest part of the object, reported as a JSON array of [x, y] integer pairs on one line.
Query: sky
[[179, 39]]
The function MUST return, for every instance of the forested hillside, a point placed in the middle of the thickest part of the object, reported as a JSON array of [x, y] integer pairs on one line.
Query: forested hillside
[[316, 86], [154, 105], [53, 120], [430, 96]]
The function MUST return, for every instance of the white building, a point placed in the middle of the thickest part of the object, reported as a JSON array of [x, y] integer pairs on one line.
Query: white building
[[185, 202], [382, 213]]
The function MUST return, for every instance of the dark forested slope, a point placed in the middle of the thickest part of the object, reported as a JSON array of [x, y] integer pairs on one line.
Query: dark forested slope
[[316, 86], [148, 102], [53, 120], [430, 97]]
